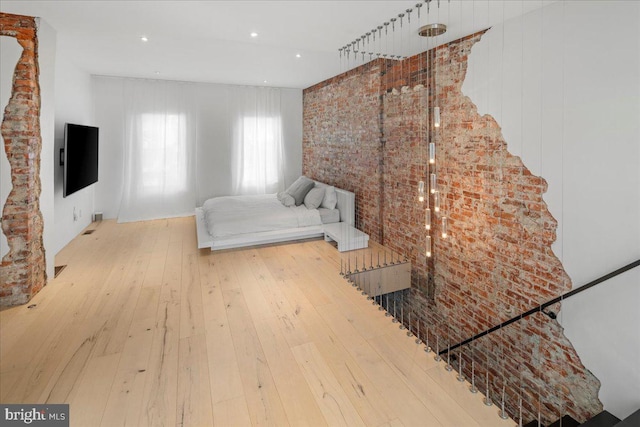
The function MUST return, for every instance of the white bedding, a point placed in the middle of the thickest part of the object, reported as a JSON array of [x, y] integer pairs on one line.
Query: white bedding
[[233, 215]]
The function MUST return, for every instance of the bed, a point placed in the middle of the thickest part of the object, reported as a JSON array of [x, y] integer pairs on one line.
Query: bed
[[239, 221]]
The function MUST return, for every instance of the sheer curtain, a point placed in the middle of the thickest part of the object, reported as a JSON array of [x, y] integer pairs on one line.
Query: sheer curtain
[[257, 140], [159, 154]]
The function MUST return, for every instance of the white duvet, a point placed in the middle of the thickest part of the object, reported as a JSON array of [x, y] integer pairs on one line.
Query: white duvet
[[232, 215]]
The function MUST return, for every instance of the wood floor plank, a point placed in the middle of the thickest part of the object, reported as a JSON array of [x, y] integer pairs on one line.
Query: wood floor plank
[[72, 365], [296, 396], [231, 413], [191, 313], [280, 309], [87, 403], [8, 382], [157, 260], [160, 389], [224, 373], [263, 400], [370, 403], [194, 391], [414, 412], [125, 400], [445, 409], [225, 271], [381, 373], [393, 423], [333, 401], [123, 263], [264, 305], [114, 334], [339, 292]]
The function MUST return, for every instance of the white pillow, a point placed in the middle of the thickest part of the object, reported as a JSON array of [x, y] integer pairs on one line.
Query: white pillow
[[314, 198], [330, 198]]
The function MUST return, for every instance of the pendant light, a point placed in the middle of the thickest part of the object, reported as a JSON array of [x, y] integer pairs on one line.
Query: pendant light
[[444, 227], [427, 219], [433, 184]]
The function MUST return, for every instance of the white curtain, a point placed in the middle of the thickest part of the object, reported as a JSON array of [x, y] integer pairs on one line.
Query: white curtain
[[257, 166], [159, 154]]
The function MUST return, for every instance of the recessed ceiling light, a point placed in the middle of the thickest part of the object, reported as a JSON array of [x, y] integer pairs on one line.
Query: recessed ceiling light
[[298, 55], [264, 81], [144, 39], [254, 34], [156, 72]]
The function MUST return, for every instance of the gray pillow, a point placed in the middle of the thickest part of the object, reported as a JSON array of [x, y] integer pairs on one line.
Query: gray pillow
[[286, 199], [314, 198], [300, 188]]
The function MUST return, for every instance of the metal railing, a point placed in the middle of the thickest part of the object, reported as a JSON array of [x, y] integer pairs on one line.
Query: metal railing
[[541, 307]]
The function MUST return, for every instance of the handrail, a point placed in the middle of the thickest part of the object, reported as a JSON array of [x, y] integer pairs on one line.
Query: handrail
[[545, 305]]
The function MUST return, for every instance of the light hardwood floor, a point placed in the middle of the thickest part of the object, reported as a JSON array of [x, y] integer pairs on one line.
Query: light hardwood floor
[[142, 328]]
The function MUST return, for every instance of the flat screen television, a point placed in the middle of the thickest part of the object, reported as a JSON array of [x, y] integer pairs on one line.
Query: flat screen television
[[79, 158]]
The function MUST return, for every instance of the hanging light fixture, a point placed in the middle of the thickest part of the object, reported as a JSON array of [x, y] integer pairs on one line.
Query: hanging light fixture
[[432, 30], [428, 247], [433, 184], [421, 191], [436, 201], [432, 153], [427, 219], [444, 227]]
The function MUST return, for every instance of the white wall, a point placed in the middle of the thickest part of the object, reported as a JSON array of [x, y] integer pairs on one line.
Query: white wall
[[109, 112], [47, 49], [73, 104], [564, 85], [213, 140]]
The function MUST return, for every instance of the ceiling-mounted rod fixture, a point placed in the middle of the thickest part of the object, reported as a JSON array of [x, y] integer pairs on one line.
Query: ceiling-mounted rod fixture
[[366, 44], [432, 30]]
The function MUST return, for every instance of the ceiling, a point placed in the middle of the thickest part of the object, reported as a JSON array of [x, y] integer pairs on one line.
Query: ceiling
[[210, 41]]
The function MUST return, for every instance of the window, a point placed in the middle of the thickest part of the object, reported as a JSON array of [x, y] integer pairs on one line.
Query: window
[[261, 152], [163, 153]]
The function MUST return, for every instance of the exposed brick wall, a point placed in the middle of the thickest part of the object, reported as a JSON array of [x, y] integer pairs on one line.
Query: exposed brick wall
[[342, 143], [497, 261], [405, 159], [23, 267]]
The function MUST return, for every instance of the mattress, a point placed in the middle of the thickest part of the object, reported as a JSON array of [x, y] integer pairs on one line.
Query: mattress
[[329, 216], [236, 215]]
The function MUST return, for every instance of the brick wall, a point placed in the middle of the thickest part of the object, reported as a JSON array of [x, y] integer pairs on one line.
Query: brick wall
[[23, 268], [342, 139], [497, 261]]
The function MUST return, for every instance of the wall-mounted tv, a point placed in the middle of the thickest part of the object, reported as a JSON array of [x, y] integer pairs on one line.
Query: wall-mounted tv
[[79, 157]]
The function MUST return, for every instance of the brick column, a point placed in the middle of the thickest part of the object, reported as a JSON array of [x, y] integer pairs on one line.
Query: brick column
[[23, 271]]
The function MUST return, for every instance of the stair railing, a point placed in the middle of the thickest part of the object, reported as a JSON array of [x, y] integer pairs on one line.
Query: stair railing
[[542, 307]]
